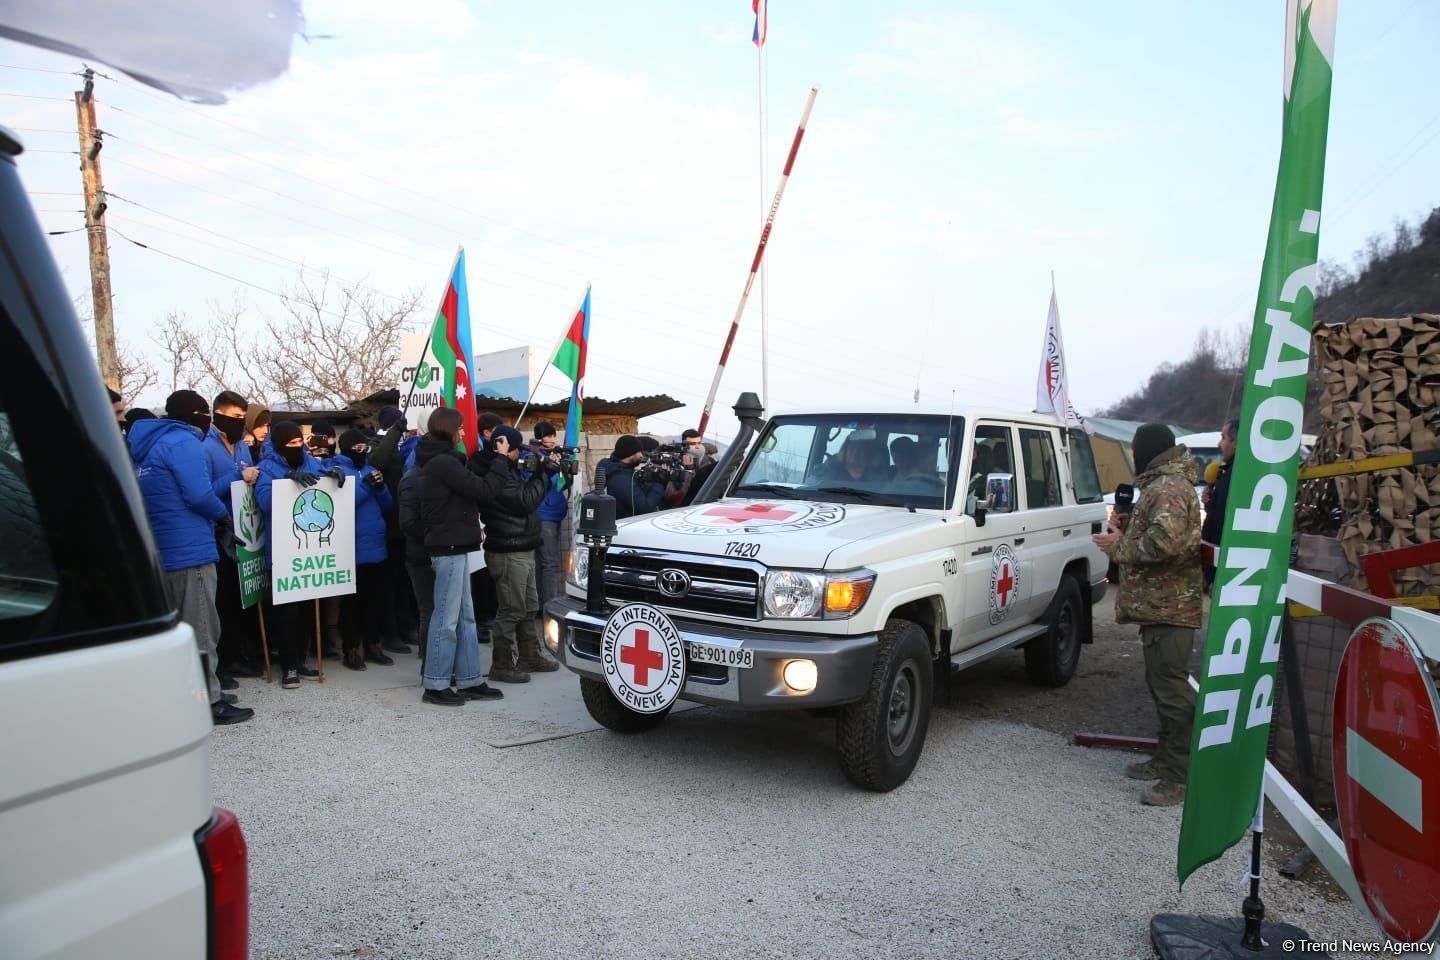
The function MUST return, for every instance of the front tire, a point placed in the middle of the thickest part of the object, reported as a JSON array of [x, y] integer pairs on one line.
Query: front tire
[[611, 714], [879, 738], [1051, 660]]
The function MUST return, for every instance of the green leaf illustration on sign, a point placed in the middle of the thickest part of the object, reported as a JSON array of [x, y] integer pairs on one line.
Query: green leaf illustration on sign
[[422, 376]]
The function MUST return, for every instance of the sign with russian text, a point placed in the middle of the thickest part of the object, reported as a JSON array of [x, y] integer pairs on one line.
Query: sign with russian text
[[312, 540], [248, 522]]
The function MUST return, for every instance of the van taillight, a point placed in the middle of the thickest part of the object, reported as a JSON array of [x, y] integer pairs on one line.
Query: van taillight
[[227, 887]]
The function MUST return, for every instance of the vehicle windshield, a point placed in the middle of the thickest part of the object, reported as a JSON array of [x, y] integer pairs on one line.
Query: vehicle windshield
[[903, 460]]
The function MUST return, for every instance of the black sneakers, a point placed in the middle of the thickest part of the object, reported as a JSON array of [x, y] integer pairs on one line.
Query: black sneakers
[[481, 692], [395, 646], [353, 660], [443, 698], [308, 673], [222, 713], [375, 655], [291, 680]]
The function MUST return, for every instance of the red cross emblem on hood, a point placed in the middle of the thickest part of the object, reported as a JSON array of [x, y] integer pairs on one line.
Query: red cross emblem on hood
[[753, 511]]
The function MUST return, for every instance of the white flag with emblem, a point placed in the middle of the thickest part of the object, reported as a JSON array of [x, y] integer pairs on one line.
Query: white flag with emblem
[[1052, 389]]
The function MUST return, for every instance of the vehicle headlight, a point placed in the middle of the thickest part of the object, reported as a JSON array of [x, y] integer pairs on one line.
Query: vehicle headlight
[[579, 573], [796, 594], [793, 593]]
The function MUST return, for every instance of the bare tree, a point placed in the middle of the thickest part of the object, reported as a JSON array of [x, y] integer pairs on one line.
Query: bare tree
[[1331, 278], [180, 350], [334, 344], [136, 375], [1405, 237]]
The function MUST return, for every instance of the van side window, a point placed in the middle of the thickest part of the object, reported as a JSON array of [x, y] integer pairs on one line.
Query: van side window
[[1042, 475], [993, 456], [1083, 470], [27, 573]]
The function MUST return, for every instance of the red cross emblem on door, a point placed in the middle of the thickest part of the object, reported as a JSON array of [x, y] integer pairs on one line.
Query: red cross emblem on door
[[1005, 584]]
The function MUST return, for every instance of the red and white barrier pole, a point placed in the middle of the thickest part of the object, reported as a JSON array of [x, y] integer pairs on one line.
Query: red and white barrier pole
[[755, 264]]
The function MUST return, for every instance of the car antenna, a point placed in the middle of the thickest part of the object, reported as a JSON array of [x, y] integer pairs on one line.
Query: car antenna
[[949, 466]]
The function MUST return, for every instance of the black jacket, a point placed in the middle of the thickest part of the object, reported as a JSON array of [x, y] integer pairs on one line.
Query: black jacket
[[633, 496], [412, 524], [450, 499], [384, 456], [512, 517], [1215, 509]]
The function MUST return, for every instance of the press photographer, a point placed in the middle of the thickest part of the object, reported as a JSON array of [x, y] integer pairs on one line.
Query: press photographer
[[635, 493], [512, 534], [695, 468], [553, 510]]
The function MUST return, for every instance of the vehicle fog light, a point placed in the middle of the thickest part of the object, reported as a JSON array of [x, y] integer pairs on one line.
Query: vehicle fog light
[[801, 675], [552, 634]]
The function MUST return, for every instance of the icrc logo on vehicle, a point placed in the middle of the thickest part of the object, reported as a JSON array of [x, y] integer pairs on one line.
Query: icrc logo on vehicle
[[730, 518], [1004, 582], [643, 657]]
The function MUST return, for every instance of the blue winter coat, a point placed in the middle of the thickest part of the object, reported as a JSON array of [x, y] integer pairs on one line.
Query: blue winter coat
[[273, 468], [556, 505], [225, 466], [371, 506], [179, 491]]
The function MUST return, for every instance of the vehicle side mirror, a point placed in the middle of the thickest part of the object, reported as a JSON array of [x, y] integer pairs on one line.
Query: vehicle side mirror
[[1000, 492]]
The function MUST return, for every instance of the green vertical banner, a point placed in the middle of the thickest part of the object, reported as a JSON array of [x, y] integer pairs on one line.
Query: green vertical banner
[[248, 522], [1242, 647]]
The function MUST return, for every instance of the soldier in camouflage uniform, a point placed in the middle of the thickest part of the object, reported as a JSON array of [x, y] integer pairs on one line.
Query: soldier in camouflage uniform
[[1157, 549]]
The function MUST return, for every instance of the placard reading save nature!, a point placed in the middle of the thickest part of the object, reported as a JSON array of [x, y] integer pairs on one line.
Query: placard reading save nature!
[[312, 535]]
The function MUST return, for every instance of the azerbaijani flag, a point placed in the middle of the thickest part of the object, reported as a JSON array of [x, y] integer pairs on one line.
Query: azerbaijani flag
[[450, 343], [569, 359], [758, 37]]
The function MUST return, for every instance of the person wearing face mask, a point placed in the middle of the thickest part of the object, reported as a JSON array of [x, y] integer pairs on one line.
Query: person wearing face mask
[[286, 458], [367, 612], [183, 509], [553, 511], [696, 465], [257, 430], [230, 461], [321, 441]]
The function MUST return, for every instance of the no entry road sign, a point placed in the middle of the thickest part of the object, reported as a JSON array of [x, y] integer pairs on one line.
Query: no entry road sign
[[1387, 777]]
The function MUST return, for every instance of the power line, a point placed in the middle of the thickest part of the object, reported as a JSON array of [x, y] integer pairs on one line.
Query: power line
[[32, 96], [64, 73]]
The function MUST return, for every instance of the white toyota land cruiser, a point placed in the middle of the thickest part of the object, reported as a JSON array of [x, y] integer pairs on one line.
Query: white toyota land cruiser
[[849, 562]]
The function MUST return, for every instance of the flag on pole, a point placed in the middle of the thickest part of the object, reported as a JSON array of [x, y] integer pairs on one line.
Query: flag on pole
[[758, 37], [1242, 647], [1052, 389], [569, 359], [450, 343]]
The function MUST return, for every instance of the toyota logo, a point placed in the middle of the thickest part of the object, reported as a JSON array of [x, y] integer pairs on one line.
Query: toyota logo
[[673, 583]]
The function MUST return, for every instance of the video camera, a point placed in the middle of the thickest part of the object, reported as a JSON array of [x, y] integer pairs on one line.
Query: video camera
[[532, 459], [664, 464]]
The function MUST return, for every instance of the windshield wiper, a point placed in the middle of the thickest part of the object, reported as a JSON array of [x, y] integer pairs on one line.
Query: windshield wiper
[[774, 489], [848, 492]]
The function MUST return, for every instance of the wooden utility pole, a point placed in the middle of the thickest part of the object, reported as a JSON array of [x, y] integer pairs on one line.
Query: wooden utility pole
[[95, 203]]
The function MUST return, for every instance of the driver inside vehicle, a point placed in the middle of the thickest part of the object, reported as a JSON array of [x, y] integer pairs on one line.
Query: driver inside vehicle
[[861, 461]]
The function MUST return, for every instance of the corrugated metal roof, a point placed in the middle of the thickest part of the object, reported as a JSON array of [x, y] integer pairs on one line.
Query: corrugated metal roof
[[593, 406]]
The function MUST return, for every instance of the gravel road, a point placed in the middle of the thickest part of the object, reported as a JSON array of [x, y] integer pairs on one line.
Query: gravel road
[[382, 827]]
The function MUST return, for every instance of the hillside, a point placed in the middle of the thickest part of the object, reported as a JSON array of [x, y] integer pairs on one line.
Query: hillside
[[1392, 276]]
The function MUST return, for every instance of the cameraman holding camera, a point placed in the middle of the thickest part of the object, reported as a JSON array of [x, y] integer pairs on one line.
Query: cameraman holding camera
[[634, 494], [512, 533], [695, 468], [553, 511]]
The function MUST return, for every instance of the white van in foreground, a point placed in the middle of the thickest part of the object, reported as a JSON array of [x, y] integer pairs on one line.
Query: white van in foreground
[[110, 845]]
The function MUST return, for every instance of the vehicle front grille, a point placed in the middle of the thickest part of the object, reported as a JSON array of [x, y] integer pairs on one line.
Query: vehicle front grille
[[723, 588]]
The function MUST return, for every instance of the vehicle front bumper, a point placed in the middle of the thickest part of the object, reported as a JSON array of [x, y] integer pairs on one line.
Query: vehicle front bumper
[[843, 664]]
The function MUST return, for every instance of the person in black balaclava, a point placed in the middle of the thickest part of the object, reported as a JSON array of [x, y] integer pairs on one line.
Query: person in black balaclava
[[321, 440], [187, 406], [183, 509], [368, 614], [134, 414], [230, 462], [286, 458]]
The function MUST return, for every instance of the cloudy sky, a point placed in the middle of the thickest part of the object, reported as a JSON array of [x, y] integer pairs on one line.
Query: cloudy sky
[[958, 153]]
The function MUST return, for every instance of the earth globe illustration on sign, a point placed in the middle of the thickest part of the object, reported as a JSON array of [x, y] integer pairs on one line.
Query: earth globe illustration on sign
[[314, 514]]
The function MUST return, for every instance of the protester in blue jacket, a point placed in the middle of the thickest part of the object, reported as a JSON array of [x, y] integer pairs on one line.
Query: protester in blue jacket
[[230, 461], [284, 457], [182, 508], [369, 612]]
